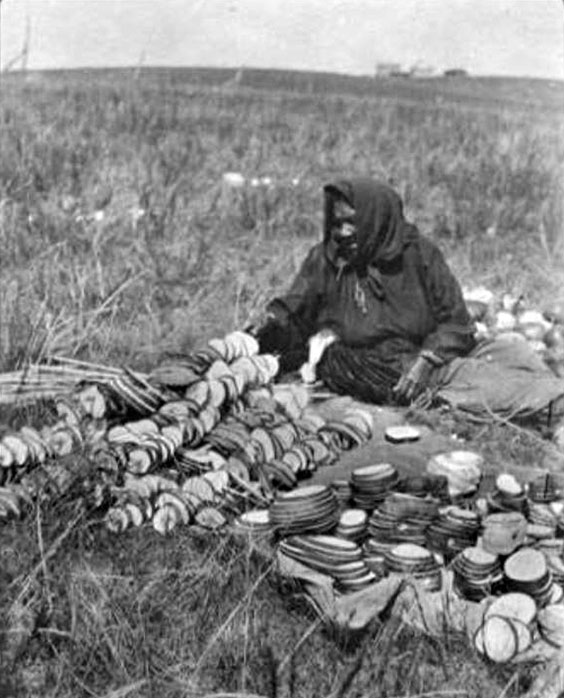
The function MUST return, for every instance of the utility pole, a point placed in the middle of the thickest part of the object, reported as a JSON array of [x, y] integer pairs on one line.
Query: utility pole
[[23, 56], [25, 48], [0, 34], [0, 44]]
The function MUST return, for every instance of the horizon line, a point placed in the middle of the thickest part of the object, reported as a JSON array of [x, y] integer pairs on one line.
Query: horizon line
[[405, 75]]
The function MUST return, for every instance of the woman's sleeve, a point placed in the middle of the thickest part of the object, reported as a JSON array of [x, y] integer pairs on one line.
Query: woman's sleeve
[[454, 333], [291, 318]]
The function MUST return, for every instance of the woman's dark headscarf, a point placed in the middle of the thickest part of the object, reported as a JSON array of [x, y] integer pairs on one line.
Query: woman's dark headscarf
[[382, 231]]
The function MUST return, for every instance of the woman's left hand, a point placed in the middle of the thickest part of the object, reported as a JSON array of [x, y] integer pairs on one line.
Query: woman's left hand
[[414, 380]]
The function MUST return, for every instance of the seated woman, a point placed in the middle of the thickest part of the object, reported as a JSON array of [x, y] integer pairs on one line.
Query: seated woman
[[375, 313], [378, 293]]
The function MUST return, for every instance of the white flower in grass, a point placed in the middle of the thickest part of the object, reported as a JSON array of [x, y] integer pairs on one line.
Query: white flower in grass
[[136, 213], [233, 180]]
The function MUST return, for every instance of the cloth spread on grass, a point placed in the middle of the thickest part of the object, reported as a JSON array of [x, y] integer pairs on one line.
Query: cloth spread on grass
[[432, 613], [501, 377]]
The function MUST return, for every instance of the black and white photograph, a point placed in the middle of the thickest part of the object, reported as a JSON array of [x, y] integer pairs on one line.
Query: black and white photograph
[[281, 349]]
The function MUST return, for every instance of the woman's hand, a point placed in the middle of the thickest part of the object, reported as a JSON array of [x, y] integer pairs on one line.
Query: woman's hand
[[308, 373], [414, 380], [318, 343]]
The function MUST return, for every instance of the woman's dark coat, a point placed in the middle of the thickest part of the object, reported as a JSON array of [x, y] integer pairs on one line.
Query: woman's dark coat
[[397, 299]]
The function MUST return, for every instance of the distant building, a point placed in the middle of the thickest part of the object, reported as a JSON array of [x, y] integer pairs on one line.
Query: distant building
[[388, 69], [456, 73], [422, 71]]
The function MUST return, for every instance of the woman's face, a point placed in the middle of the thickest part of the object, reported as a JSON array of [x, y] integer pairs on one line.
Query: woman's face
[[343, 230]]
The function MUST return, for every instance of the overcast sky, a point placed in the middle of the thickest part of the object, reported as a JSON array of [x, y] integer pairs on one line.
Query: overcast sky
[[495, 37]]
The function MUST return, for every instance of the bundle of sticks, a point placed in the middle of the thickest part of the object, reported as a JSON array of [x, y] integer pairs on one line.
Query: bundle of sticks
[[44, 381]]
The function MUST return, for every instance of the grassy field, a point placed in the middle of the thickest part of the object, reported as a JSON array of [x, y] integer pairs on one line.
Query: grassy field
[[120, 243]]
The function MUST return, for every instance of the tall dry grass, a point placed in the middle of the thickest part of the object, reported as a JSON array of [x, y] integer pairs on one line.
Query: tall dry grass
[[177, 258]]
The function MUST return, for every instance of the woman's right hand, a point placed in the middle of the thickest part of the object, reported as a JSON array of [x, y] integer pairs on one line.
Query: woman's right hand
[[319, 343], [308, 373]]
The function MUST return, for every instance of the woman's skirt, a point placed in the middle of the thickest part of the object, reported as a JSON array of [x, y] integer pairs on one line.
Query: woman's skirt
[[365, 374]]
